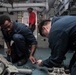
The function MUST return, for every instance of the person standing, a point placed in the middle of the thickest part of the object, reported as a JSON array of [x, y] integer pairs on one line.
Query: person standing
[[32, 19]]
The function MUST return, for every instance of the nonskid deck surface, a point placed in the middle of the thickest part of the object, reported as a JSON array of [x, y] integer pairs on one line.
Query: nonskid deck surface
[[43, 54]]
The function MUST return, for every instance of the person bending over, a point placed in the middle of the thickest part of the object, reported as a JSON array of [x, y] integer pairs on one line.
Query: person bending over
[[61, 34]]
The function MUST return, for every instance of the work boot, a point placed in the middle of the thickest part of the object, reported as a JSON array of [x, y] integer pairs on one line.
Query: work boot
[[22, 62]]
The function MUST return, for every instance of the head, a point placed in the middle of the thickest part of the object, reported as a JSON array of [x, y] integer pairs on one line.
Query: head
[[5, 23], [30, 10], [44, 28]]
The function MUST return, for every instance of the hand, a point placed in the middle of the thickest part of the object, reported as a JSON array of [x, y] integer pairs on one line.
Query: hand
[[39, 62], [8, 51], [33, 60]]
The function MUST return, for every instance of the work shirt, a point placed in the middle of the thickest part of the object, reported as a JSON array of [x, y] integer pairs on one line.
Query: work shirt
[[20, 28], [32, 18], [61, 38]]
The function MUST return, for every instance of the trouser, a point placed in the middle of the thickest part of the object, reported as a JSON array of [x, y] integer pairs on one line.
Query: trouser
[[32, 27], [19, 48], [73, 48], [73, 70], [72, 62]]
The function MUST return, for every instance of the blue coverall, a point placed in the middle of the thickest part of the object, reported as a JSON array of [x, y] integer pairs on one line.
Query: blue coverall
[[62, 37], [22, 37]]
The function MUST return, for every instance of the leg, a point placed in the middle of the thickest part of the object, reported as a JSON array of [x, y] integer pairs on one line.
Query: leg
[[32, 28], [14, 55], [73, 70], [73, 60], [20, 46]]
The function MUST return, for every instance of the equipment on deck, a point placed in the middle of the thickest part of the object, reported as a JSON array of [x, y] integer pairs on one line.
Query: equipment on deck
[[7, 68], [56, 70]]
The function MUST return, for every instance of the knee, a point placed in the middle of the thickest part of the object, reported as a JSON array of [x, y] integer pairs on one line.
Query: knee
[[17, 37]]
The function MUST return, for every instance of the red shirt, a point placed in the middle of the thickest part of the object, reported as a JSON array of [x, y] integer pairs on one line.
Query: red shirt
[[32, 18]]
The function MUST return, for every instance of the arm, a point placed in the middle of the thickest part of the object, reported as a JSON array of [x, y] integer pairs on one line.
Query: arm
[[33, 43], [33, 49], [7, 41], [8, 44], [8, 51], [59, 47], [31, 40]]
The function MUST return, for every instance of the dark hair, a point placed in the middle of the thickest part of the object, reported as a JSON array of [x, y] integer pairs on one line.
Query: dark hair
[[3, 18], [42, 23], [30, 8]]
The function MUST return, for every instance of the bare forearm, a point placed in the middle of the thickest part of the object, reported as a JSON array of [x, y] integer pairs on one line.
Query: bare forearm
[[8, 50], [33, 49], [8, 44]]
